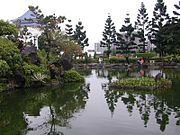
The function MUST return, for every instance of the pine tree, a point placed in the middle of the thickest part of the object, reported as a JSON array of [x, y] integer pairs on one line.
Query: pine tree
[[109, 35], [142, 27], [80, 35], [69, 29], [126, 37], [176, 12], [48, 25], [178, 8], [160, 19]]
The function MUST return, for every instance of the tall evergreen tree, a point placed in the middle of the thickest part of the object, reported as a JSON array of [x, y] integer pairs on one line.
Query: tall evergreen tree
[[126, 37], [142, 27], [160, 19], [80, 35], [109, 35], [168, 36], [177, 6], [69, 29]]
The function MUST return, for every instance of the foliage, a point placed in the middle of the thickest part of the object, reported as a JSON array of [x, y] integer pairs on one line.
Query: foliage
[[127, 38], [3, 87], [168, 39], [158, 21], [42, 57], [5, 69], [115, 59], [25, 35], [177, 6], [70, 48], [146, 55], [177, 58], [11, 54], [142, 27], [39, 77], [72, 76], [7, 29], [80, 35], [109, 35], [61, 43], [69, 29], [48, 25], [32, 70], [142, 84]]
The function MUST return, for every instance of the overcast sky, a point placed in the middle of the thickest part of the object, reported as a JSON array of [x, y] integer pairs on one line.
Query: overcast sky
[[92, 13]]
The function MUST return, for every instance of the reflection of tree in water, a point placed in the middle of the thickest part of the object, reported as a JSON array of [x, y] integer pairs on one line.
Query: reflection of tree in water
[[146, 103], [85, 72], [62, 104], [101, 73]]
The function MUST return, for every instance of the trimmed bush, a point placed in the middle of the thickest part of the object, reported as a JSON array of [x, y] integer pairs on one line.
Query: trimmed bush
[[146, 55], [115, 59], [144, 83], [72, 76]]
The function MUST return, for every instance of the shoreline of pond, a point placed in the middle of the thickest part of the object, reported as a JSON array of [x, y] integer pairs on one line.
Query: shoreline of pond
[[157, 65]]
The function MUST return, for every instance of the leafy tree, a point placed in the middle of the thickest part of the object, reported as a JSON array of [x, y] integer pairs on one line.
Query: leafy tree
[[10, 54], [142, 27], [48, 25], [69, 29], [5, 69], [70, 48], [127, 37], [109, 35], [158, 21], [80, 35], [8, 30]]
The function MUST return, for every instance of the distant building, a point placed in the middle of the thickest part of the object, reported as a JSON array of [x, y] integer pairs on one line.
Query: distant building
[[91, 52], [98, 49], [28, 20]]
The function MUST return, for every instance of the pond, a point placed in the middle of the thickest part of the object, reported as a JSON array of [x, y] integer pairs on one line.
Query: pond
[[77, 109]]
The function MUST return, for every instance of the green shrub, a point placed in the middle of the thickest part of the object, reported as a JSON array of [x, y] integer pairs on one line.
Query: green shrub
[[3, 87], [42, 55], [72, 76], [115, 59], [4, 68], [177, 58], [133, 60], [11, 54], [146, 55], [32, 70]]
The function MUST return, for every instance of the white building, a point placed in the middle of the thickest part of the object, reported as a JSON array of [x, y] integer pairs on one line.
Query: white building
[[28, 20], [98, 49]]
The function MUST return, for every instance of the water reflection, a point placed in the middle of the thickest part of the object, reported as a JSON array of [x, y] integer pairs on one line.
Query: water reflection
[[41, 112], [160, 105], [79, 109]]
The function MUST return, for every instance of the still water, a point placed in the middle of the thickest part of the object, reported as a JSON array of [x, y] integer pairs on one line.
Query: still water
[[79, 110]]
